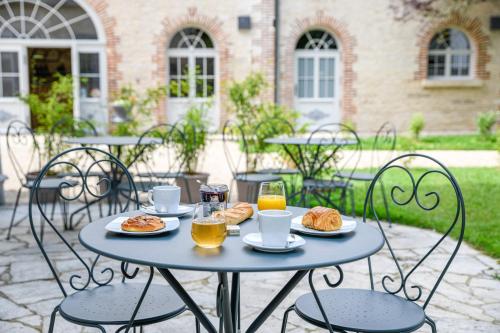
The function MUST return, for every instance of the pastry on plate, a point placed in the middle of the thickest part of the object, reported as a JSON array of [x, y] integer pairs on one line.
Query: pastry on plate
[[143, 223], [238, 213], [322, 219]]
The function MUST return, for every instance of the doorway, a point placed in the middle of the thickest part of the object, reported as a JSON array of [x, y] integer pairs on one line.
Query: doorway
[[44, 65], [316, 79]]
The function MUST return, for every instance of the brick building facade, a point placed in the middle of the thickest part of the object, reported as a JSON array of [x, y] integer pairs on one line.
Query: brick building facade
[[355, 61]]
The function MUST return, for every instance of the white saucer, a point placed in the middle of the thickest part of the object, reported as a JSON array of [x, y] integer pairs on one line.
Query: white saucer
[[171, 223], [348, 225], [255, 241], [182, 210]]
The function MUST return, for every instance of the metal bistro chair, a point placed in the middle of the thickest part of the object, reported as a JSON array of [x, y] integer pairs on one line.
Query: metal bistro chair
[[381, 152], [333, 149], [401, 305], [20, 137], [276, 162], [238, 157], [90, 299], [165, 167]]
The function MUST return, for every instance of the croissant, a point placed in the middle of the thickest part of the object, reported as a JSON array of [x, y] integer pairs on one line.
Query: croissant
[[238, 213], [322, 218]]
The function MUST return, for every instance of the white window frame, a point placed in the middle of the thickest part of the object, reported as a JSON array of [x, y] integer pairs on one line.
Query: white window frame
[[20, 73], [316, 55], [448, 53], [191, 53]]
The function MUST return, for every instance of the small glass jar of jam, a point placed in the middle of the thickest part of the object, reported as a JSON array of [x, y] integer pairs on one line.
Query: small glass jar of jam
[[214, 193]]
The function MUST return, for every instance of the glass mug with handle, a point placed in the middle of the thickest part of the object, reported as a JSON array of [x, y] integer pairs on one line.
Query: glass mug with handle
[[208, 229], [272, 196]]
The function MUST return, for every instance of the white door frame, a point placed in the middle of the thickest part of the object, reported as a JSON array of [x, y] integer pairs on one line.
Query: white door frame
[[316, 55], [21, 46]]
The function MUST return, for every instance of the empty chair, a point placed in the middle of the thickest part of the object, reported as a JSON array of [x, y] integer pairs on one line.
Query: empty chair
[[239, 160], [381, 152], [397, 299], [90, 298], [333, 149], [26, 159], [158, 164]]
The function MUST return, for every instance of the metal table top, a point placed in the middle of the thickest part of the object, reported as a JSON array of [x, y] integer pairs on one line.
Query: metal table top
[[112, 140], [176, 249], [302, 141]]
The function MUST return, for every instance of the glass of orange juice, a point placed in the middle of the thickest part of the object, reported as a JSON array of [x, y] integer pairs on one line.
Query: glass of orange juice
[[272, 196]]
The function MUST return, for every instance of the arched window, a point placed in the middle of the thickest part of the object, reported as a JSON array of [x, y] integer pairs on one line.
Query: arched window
[[449, 55], [191, 63], [316, 40], [34, 19], [315, 65]]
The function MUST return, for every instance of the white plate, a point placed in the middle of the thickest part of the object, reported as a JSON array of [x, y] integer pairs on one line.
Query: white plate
[[182, 210], [171, 223], [348, 225], [255, 241]]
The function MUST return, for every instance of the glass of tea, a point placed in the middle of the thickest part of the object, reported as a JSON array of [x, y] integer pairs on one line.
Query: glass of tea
[[208, 228], [272, 196]]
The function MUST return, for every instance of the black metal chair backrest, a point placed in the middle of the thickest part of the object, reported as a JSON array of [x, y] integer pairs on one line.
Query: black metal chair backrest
[[21, 138], [383, 146], [430, 192], [65, 127], [234, 135], [105, 188], [338, 152], [271, 128], [165, 157]]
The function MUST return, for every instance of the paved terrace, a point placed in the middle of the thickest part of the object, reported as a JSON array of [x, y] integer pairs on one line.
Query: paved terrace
[[467, 301]]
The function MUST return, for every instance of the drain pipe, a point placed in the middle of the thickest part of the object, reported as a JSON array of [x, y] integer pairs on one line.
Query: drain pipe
[[276, 50]]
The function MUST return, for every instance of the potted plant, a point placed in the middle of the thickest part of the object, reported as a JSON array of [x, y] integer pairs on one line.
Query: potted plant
[[194, 127], [47, 110]]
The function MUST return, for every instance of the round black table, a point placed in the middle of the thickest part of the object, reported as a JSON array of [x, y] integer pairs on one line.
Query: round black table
[[176, 250]]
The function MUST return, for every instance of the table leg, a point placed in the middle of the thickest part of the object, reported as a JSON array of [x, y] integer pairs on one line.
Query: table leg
[[190, 303], [276, 301], [226, 306], [235, 301]]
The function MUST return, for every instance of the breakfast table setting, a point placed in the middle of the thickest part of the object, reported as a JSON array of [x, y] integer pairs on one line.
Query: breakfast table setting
[[230, 238]]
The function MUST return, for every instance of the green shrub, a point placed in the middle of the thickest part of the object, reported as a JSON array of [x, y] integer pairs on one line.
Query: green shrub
[[247, 103], [417, 124], [485, 123]]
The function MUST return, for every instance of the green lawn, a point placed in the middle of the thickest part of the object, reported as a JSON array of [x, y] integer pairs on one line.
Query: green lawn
[[481, 191], [442, 142]]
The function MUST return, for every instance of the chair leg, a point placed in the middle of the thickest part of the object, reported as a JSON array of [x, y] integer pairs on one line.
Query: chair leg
[[353, 204], [431, 323], [53, 319], [386, 205], [14, 213], [285, 318], [197, 325]]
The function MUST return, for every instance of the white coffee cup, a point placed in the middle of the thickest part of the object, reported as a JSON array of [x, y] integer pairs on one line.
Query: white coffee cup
[[274, 226], [165, 198]]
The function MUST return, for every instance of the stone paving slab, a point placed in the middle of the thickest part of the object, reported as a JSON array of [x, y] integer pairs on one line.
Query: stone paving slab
[[467, 301]]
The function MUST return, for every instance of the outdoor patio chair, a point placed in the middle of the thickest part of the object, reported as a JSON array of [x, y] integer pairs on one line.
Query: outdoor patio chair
[[277, 163], [406, 290], [66, 127], [20, 137], [89, 296], [381, 152], [157, 164], [336, 150], [238, 157]]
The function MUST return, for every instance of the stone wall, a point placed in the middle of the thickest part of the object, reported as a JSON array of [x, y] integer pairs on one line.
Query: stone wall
[[383, 60]]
